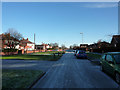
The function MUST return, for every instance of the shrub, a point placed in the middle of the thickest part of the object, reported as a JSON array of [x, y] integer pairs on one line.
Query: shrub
[[9, 50]]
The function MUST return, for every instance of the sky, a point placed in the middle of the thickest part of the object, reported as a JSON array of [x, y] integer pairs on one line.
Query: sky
[[61, 22]]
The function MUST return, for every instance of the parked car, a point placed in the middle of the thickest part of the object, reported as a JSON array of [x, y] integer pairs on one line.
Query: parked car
[[81, 54], [110, 63], [75, 52]]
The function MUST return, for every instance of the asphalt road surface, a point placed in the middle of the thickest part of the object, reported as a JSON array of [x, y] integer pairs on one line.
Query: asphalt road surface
[[70, 72]]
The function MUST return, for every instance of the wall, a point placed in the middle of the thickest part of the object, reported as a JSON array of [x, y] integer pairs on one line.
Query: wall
[[10, 53], [31, 45]]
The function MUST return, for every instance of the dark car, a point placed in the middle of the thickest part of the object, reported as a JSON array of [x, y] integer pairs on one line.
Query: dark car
[[81, 54], [75, 52], [110, 63]]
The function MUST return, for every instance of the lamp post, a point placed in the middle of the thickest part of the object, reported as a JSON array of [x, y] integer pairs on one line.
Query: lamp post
[[34, 42], [82, 37], [118, 18]]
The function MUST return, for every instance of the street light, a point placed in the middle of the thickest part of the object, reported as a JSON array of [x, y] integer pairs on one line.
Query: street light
[[34, 42], [82, 37]]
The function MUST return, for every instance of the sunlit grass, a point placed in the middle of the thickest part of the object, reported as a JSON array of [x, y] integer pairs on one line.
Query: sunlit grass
[[33, 57], [49, 52], [19, 78]]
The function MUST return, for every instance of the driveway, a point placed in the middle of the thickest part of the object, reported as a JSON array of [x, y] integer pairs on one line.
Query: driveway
[[70, 72]]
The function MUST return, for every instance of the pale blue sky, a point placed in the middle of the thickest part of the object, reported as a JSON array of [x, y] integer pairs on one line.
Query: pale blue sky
[[61, 22]]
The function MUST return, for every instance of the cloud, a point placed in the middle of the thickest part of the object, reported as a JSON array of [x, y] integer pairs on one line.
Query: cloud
[[101, 5]]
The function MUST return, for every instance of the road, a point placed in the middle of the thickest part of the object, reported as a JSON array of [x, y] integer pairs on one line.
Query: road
[[70, 72]]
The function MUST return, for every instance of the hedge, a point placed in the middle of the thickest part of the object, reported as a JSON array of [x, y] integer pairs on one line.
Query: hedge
[[9, 50]]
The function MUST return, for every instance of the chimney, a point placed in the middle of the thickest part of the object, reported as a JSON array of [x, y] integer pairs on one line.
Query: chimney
[[23, 39], [119, 18], [27, 38]]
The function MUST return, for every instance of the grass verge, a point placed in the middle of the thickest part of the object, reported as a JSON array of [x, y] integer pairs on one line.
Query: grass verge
[[33, 57], [50, 52], [19, 78], [93, 56]]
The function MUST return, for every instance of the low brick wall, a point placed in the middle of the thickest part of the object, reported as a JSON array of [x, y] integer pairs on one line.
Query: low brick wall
[[9, 53], [49, 50], [60, 50], [35, 51], [29, 51], [23, 52]]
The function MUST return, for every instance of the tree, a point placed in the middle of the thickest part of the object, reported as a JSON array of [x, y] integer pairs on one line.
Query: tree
[[54, 45], [13, 37], [14, 33], [99, 41], [75, 46], [63, 46], [71, 47]]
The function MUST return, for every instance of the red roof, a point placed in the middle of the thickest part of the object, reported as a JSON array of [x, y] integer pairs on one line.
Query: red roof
[[23, 42]]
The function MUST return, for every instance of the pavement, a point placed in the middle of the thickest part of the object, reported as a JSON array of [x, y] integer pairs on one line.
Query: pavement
[[68, 72]]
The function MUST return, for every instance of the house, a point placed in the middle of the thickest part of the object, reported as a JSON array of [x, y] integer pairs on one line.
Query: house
[[84, 47], [43, 46], [39, 47], [115, 42], [103, 44], [26, 45], [6, 41]]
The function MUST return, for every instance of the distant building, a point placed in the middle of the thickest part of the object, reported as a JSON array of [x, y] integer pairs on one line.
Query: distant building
[[100, 46], [43, 46], [84, 47], [103, 44]]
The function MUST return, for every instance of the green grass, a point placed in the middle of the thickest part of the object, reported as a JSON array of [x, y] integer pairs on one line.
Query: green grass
[[33, 57], [49, 52], [93, 56], [19, 78]]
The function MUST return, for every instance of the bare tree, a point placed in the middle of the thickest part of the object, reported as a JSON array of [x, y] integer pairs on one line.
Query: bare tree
[[14, 33], [13, 37], [54, 45], [75, 46], [99, 41], [63, 46], [71, 47]]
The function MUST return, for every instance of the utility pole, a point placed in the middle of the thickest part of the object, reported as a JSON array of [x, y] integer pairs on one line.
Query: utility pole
[[82, 37], [34, 42], [119, 18]]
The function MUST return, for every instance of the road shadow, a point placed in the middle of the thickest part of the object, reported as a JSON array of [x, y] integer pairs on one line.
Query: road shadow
[[111, 77]]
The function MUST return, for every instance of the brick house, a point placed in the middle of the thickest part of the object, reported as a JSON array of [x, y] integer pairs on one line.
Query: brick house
[[84, 47], [115, 42], [26, 45], [42, 46]]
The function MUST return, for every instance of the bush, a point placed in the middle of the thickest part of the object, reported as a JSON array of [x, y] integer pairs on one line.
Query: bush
[[107, 49], [50, 49], [9, 50]]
